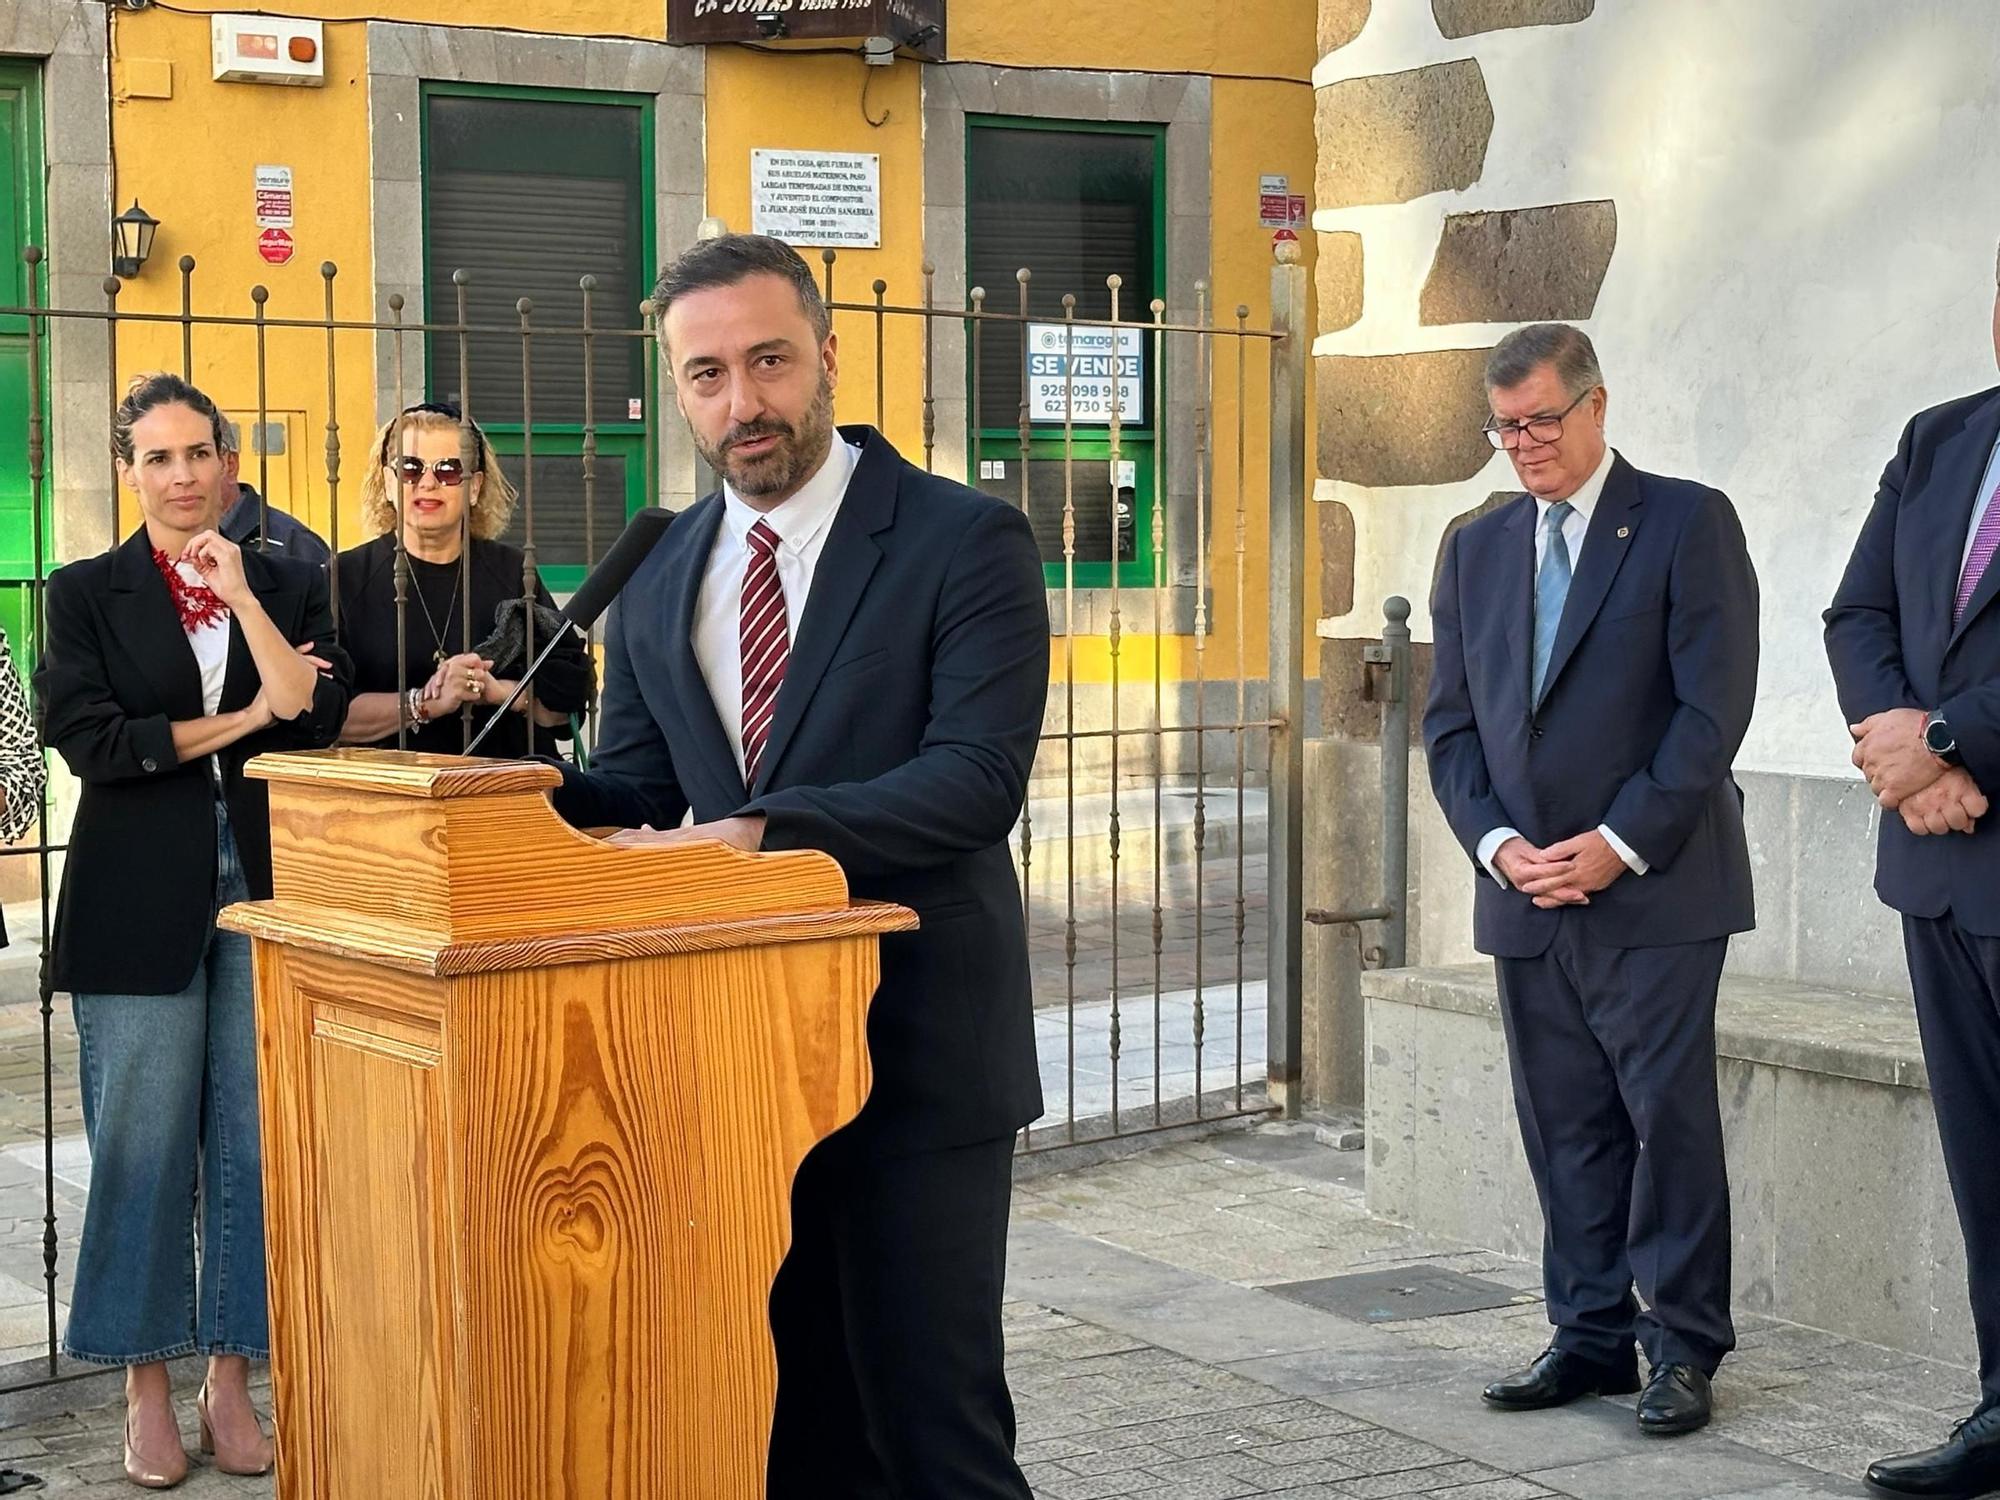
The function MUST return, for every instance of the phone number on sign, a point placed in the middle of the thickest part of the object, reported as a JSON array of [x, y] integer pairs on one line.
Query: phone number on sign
[[1084, 402]]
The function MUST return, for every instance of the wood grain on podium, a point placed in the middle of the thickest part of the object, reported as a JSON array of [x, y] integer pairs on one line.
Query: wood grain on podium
[[530, 1136]]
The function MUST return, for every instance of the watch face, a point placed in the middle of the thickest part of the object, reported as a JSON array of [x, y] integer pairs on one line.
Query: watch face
[[1937, 737]]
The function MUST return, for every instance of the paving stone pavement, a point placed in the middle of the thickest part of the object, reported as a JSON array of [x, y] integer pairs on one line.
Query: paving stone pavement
[[1148, 1360]]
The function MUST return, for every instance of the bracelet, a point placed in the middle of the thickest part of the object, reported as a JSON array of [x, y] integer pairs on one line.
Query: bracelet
[[413, 707]]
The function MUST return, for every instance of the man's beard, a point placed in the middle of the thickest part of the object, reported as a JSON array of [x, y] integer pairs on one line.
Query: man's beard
[[799, 450]]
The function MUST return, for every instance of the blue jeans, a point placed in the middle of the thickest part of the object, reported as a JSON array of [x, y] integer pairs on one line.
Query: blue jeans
[[170, 1110]]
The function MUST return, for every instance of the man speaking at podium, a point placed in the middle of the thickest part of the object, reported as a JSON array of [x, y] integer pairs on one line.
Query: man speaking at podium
[[840, 652]]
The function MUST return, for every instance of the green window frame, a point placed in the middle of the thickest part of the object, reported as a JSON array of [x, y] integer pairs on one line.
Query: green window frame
[[620, 444], [22, 223], [1089, 446]]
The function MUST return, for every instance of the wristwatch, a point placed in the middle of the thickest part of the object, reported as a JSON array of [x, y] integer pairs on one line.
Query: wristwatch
[[1939, 740]]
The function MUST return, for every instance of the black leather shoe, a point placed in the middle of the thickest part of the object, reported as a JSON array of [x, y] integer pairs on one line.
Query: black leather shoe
[[1677, 1399], [1964, 1465], [1558, 1377]]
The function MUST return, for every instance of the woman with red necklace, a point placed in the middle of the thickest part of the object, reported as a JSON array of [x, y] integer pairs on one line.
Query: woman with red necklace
[[170, 661]]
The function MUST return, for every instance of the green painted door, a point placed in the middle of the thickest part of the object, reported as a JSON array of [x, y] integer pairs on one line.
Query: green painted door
[[528, 190], [20, 226], [1074, 203]]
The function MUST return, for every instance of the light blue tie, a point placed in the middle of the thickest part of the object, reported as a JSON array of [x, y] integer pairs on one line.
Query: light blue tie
[[1551, 591]]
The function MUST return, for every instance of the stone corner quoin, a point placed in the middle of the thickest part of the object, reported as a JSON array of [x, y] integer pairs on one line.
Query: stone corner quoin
[[1461, 18], [1396, 137], [1338, 276], [1340, 22], [1526, 265], [1387, 421]]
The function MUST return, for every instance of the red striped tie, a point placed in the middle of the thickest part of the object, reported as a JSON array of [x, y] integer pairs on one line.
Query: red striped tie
[[765, 637]]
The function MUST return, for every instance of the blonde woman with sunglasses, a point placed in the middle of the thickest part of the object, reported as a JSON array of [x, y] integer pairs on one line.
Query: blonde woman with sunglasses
[[420, 460]]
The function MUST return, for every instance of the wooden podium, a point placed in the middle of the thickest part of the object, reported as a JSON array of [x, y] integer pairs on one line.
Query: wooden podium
[[532, 1105]]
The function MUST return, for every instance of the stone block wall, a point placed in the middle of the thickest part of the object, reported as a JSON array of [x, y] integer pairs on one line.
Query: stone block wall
[[1658, 175]]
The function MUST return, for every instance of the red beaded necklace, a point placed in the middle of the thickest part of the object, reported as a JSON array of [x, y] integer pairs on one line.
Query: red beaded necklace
[[197, 604]]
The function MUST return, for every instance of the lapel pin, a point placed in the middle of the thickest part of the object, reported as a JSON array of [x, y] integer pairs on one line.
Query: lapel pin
[[1623, 532]]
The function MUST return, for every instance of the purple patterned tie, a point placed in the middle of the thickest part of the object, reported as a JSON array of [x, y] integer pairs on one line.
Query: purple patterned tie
[[1984, 545]]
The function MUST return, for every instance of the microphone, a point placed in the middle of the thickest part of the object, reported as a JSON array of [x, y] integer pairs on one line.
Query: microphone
[[593, 596]]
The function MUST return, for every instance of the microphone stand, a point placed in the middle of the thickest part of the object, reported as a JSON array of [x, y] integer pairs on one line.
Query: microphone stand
[[521, 687]]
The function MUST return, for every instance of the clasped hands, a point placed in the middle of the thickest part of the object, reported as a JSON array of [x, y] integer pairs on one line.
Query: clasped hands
[[1907, 779], [1564, 874]]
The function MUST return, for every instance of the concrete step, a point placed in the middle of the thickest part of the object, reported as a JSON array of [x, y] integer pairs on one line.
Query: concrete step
[[1841, 1214]]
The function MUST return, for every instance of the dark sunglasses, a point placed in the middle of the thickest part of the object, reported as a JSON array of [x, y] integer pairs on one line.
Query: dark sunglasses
[[449, 471]]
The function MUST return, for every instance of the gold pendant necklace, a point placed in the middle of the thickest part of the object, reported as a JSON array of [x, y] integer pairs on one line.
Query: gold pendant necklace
[[437, 636]]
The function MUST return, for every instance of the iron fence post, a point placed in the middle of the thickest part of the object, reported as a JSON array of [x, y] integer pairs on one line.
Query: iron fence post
[[1285, 665], [1396, 785]]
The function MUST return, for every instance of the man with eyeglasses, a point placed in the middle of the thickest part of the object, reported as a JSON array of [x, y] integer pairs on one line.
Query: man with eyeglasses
[[1596, 663], [1914, 638]]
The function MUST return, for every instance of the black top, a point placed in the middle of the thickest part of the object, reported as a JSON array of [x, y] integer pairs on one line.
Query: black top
[[116, 673], [434, 622]]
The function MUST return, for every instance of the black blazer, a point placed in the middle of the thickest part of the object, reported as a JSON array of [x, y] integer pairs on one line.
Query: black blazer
[[1648, 696], [138, 890], [903, 735], [1892, 644]]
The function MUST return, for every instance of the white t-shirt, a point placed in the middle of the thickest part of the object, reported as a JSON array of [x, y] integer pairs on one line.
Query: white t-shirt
[[210, 644]]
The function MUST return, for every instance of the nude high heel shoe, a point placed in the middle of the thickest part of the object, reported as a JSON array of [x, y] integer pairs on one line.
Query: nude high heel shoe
[[151, 1473], [251, 1459]]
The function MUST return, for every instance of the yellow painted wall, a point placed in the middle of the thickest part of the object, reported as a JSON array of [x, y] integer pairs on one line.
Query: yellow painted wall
[[1201, 36], [760, 101], [190, 159], [1258, 128]]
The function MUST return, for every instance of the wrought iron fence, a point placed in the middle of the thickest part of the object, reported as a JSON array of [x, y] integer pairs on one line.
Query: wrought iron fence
[[1164, 809]]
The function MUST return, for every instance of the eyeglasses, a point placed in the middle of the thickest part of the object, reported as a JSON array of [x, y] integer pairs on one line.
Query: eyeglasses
[[449, 472], [1540, 429]]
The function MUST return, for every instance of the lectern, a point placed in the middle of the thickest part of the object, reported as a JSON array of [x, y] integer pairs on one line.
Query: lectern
[[532, 1104]]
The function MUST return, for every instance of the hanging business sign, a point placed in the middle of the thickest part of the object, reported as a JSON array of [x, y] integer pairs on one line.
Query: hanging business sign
[[1084, 374], [817, 197], [915, 26]]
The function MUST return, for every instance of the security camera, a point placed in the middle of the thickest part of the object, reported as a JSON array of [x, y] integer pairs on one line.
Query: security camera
[[770, 25]]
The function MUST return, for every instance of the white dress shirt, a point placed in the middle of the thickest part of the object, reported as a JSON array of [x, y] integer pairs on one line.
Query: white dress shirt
[[1576, 526], [801, 523]]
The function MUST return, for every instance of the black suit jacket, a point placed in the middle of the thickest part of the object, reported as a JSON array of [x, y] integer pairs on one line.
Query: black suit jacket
[[901, 744], [1648, 696], [1891, 640], [116, 673]]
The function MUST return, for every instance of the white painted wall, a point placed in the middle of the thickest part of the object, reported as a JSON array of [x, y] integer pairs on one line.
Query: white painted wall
[[1808, 202]]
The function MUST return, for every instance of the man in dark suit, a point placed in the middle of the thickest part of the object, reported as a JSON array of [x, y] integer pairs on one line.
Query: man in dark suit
[[1914, 638], [247, 518], [1596, 662], [841, 652]]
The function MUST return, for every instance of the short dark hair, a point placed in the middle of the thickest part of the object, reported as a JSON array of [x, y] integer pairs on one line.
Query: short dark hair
[[1526, 350], [730, 258], [149, 391]]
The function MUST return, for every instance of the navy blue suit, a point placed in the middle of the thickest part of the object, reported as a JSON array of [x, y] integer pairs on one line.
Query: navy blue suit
[[903, 735], [1610, 1008], [1893, 644]]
